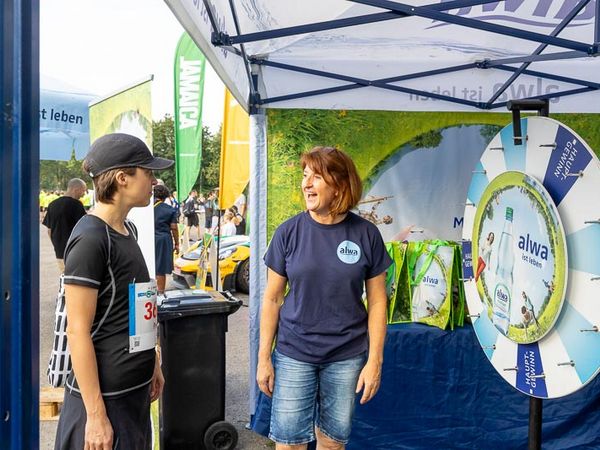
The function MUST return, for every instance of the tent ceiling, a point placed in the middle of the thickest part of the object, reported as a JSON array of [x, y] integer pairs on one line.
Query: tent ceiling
[[383, 55]]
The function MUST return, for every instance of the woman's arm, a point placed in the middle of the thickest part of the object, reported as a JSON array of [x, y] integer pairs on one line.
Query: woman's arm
[[81, 308], [370, 376], [175, 233], [158, 380], [269, 318]]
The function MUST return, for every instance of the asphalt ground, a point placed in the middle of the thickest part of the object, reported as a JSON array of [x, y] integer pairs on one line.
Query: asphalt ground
[[237, 358]]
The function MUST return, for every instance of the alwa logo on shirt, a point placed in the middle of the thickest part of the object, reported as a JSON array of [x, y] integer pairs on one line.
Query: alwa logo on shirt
[[348, 252]]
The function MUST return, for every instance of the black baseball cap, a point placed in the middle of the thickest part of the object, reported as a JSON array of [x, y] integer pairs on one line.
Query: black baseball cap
[[118, 150]]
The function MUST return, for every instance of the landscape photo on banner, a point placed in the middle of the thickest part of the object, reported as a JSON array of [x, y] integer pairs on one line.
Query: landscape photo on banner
[[415, 166]]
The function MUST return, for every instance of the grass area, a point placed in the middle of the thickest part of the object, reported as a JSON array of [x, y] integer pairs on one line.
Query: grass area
[[369, 137]]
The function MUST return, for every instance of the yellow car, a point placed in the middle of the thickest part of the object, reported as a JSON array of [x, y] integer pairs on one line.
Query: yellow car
[[234, 265]]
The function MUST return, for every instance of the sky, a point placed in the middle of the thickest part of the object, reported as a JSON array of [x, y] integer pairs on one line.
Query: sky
[[102, 46]]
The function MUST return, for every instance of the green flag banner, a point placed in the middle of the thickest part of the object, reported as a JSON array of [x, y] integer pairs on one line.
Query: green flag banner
[[189, 88]]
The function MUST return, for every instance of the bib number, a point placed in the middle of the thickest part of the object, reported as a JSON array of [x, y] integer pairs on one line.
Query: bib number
[[142, 316]]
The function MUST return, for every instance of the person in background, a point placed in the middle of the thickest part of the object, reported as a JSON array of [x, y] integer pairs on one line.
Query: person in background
[[114, 378], [189, 212], [209, 206], [214, 222], [61, 217], [227, 225], [240, 204], [173, 203], [43, 205], [328, 345], [238, 221], [166, 235]]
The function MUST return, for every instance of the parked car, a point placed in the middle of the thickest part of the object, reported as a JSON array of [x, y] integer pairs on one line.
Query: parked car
[[234, 265]]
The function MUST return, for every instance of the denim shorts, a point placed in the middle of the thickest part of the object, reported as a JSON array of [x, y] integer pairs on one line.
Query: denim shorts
[[308, 394]]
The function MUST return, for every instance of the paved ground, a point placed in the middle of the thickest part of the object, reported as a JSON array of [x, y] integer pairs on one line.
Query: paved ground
[[237, 355]]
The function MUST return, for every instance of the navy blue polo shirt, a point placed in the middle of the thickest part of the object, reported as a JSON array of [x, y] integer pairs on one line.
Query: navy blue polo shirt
[[323, 318]]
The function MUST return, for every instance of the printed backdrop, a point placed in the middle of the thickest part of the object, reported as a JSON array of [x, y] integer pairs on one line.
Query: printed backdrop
[[416, 167]]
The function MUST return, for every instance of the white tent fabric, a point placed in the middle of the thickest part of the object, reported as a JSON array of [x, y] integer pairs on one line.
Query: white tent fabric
[[349, 67], [397, 47]]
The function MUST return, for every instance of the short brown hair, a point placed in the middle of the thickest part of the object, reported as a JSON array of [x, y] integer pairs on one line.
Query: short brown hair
[[338, 171], [105, 184]]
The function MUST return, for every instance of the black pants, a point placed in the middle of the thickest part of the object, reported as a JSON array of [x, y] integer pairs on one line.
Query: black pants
[[129, 416]]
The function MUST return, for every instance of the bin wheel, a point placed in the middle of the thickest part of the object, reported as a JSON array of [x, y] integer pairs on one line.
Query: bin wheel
[[221, 436]]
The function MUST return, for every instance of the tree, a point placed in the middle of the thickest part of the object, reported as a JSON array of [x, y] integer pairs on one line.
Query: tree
[[211, 160], [54, 175], [163, 145]]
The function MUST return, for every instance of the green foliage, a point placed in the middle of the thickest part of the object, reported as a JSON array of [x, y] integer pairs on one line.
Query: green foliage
[[429, 139], [211, 160], [163, 145]]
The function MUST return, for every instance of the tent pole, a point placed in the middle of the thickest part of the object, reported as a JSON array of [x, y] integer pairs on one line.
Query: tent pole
[[597, 25], [19, 225], [535, 424], [257, 213], [535, 404]]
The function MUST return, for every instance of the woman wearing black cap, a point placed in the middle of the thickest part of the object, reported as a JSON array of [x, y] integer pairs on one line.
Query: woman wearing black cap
[[111, 307]]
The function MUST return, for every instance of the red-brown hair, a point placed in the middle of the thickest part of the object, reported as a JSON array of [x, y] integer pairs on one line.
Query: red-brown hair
[[338, 171]]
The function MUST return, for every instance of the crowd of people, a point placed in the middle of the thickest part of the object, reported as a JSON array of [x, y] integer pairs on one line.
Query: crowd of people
[[201, 214]]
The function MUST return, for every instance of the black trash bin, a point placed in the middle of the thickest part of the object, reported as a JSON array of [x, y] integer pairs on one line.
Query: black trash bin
[[193, 324]]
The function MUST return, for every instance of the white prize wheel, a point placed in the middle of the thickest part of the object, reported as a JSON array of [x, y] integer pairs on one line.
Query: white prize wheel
[[531, 249]]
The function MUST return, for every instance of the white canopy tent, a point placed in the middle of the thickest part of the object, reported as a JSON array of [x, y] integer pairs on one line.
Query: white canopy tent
[[384, 55], [452, 55]]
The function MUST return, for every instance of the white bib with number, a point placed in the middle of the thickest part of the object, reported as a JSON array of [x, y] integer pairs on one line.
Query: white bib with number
[[142, 316]]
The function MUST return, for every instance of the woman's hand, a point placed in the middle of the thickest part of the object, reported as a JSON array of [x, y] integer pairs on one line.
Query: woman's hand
[[158, 381], [369, 381], [265, 377], [98, 432]]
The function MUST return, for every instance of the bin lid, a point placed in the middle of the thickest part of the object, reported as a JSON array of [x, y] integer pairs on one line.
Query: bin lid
[[193, 302]]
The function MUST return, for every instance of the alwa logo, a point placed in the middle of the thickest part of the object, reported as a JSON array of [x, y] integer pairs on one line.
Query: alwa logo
[[535, 248], [430, 280], [541, 13], [348, 252]]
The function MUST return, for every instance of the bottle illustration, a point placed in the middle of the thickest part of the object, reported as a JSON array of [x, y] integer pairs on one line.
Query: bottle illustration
[[504, 276]]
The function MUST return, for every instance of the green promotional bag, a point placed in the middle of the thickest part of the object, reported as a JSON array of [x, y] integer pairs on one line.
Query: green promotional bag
[[430, 267], [397, 283]]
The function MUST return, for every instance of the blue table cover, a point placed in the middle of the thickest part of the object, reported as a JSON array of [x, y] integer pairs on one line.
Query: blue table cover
[[439, 391]]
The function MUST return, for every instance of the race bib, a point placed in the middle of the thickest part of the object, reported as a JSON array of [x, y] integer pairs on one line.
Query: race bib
[[142, 316]]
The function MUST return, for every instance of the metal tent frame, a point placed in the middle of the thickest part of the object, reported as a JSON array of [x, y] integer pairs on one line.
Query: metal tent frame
[[435, 11]]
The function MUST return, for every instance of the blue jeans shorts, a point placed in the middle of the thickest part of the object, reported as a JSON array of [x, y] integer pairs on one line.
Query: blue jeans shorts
[[308, 394]]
